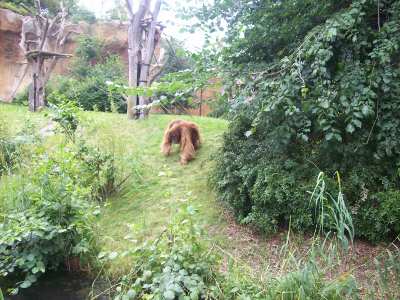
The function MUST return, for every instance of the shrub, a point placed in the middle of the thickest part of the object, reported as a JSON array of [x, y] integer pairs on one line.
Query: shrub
[[22, 97], [220, 107], [382, 210], [65, 114], [38, 240], [48, 214], [97, 171], [14, 148], [333, 107], [89, 52], [175, 265], [51, 222], [91, 91]]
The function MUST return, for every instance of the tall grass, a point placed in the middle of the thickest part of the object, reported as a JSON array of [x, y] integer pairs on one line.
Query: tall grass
[[332, 213]]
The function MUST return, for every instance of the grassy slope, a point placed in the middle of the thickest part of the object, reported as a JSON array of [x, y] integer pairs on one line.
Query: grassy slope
[[159, 186], [148, 202]]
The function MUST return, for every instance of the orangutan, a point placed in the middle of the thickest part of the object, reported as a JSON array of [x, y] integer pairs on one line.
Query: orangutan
[[184, 133]]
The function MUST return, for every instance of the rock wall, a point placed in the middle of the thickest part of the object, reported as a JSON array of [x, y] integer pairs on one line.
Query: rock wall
[[12, 61]]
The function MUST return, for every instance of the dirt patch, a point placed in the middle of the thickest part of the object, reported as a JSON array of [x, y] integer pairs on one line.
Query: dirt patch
[[275, 255]]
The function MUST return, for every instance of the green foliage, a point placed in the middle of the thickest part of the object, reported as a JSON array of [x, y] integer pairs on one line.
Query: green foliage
[[90, 91], [22, 97], [331, 105], [47, 214], [175, 90], [9, 152], [266, 30], [82, 14], [332, 213], [220, 107], [13, 7], [64, 114], [14, 148], [87, 88], [51, 6], [51, 220], [98, 171], [177, 57], [382, 211], [37, 240], [176, 265], [89, 51]]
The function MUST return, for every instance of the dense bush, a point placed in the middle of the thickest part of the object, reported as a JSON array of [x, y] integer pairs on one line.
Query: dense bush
[[90, 92], [50, 221], [52, 208], [332, 107], [91, 69], [47, 214]]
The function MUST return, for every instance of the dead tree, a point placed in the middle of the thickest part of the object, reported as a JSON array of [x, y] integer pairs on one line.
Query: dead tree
[[43, 38], [143, 36]]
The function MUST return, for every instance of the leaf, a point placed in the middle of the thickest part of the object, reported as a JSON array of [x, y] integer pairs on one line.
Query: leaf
[[248, 133], [350, 128], [25, 284], [357, 123], [169, 295], [325, 104], [30, 257], [131, 294], [338, 137], [365, 110], [329, 136]]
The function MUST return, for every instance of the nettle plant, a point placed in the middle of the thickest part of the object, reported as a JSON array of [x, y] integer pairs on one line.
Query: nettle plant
[[331, 105], [65, 114], [176, 265]]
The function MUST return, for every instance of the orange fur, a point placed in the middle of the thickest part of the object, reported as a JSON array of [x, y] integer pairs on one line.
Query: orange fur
[[184, 133]]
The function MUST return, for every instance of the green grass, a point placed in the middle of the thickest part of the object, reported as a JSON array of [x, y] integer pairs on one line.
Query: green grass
[[158, 186], [148, 201]]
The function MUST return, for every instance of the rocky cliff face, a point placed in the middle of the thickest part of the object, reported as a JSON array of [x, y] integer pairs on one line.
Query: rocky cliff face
[[12, 60]]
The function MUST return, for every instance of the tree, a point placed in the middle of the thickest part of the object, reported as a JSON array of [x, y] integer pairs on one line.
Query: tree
[[43, 38], [315, 85], [144, 34]]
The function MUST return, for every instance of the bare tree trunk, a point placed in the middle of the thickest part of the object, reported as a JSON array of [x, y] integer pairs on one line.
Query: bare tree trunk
[[148, 55], [141, 51], [43, 30], [135, 33], [37, 90]]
